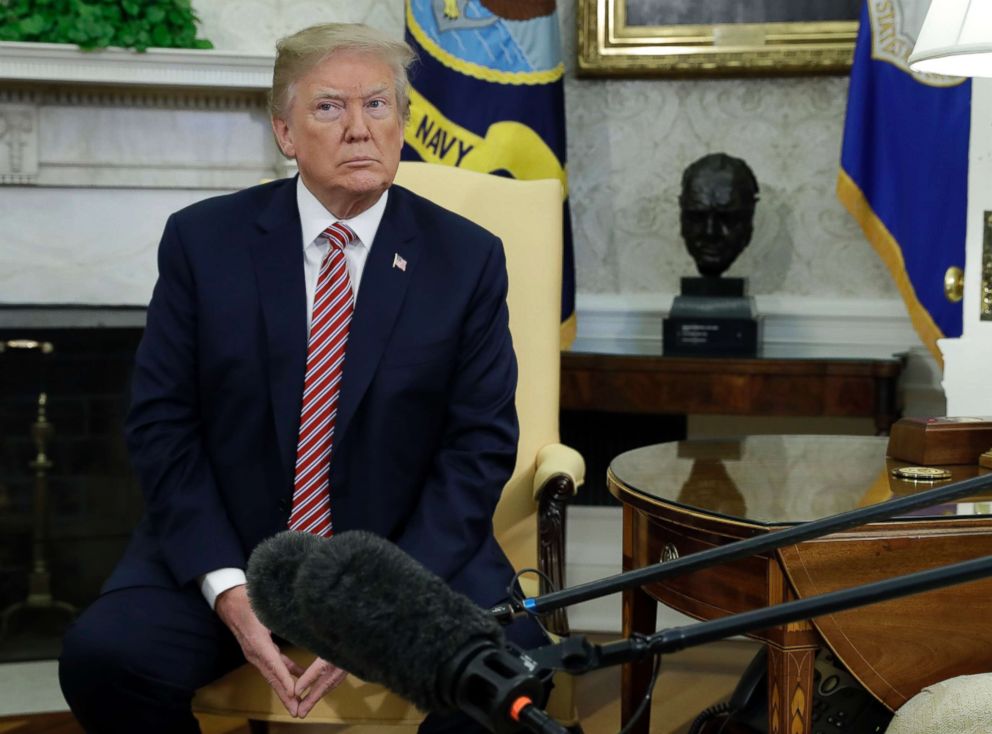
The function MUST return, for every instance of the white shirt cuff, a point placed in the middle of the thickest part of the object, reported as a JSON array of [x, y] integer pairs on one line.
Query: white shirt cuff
[[215, 583]]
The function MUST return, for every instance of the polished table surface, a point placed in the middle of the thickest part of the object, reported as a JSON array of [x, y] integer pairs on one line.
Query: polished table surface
[[687, 496]]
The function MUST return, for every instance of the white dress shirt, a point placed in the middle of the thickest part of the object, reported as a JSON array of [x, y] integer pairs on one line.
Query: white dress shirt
[[314, 219]]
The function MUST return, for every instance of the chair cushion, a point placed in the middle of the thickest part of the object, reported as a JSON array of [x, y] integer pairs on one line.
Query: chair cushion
[[961, 705]]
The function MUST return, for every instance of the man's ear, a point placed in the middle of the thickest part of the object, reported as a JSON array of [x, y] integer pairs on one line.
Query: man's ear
[[284, 137]]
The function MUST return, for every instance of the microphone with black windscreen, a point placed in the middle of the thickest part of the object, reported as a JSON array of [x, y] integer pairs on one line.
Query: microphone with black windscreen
[[364, 605]]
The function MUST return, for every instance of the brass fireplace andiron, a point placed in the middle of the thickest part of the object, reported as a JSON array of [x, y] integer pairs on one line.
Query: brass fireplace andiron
[[39, 601]]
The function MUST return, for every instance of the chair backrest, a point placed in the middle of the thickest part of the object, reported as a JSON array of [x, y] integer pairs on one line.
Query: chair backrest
[[527, 216]]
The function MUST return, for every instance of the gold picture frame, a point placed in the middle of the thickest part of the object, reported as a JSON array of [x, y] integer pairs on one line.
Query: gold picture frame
[[609, 46]]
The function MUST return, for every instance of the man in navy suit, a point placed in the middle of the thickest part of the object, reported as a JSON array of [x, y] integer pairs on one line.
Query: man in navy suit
[[424, 425]]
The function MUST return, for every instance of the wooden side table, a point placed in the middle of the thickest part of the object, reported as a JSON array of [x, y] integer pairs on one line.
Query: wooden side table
[[683, 497], [849, 387]]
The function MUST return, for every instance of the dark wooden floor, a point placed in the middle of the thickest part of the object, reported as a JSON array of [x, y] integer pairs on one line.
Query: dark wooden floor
[[40, 723], [64, 723]]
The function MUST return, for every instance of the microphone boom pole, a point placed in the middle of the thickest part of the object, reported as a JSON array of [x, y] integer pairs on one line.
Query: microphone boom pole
[[739, 549], [576, 655]]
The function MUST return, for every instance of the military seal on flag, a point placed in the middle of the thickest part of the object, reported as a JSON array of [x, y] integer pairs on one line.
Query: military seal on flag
[[488, 95]]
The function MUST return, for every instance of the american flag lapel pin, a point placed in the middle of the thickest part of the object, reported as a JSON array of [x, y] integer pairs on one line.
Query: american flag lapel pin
[[399, 262]]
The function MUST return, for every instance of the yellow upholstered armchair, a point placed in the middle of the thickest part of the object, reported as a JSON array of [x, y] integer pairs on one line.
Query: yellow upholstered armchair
[[530, 519]]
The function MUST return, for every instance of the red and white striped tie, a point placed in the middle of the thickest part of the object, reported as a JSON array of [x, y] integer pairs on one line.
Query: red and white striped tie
[[332, 309]]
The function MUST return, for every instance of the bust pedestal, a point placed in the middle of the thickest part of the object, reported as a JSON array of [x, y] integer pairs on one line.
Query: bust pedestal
[[712, 317]]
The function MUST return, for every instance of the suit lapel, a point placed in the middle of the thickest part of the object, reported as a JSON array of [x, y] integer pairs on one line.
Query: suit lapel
[[278, 258], [380, 296]]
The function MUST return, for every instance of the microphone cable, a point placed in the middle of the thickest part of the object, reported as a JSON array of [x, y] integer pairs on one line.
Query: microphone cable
[[516, 593], [646, 701], [708, 714]]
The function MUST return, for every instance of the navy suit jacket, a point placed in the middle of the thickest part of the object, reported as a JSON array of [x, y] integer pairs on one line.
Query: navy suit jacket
[[426, 431]]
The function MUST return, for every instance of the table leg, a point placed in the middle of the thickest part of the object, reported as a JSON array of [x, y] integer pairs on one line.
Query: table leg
[[790, 689], [640, 613]]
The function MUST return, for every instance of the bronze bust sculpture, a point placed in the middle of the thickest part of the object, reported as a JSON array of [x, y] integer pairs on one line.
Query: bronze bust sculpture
[[713, 315], [719, 194]]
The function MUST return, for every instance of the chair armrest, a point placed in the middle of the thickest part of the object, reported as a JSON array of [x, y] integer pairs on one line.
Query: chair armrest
[[555, 459], [560, 471]]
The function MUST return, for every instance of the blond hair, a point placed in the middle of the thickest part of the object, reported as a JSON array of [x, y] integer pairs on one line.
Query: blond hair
[[299, 53]]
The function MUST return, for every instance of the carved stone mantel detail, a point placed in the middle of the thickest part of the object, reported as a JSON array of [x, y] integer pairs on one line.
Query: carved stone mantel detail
[[18, 143], [112, 142], [165, 119]]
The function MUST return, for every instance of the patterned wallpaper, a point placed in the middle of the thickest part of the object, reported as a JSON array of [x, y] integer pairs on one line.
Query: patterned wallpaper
[[629, 141], [255, 25]]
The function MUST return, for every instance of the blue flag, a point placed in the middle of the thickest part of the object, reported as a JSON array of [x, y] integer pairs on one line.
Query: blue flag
[[488, 95], [904, 165]]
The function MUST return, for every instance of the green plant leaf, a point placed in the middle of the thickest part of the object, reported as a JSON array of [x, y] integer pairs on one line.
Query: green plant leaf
[[161, 36], [32, 25], [112, 14], [89, 27], [96, 23]]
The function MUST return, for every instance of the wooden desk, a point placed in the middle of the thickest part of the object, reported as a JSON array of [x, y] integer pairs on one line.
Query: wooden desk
[[792, 385], [680, 498]]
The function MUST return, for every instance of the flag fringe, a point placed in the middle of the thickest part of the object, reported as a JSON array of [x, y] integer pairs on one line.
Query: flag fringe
[[854, 200], [569, 328]]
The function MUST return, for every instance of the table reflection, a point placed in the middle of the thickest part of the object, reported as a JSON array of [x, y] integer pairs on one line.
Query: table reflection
[[781, 479]]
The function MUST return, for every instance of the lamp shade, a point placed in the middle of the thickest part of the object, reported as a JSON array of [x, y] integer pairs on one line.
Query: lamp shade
[[956, 39]]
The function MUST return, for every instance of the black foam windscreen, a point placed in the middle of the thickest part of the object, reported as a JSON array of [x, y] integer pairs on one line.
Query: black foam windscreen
[[363, 604], [271, 574]]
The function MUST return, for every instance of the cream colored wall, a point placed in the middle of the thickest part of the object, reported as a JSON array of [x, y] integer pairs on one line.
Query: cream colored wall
[[255, 25], [966, 359]]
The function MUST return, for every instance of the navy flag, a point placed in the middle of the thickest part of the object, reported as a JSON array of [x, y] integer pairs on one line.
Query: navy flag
[[488, 95], [904, 165]]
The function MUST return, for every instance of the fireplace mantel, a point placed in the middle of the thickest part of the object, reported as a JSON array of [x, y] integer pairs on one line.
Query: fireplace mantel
[[166, 118], [113, 141], [65, 64]]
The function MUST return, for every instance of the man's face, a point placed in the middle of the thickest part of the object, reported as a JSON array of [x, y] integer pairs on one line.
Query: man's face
[[716, 221], [345, 129]]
